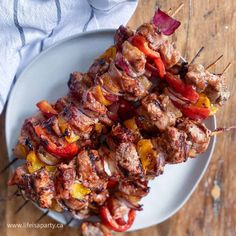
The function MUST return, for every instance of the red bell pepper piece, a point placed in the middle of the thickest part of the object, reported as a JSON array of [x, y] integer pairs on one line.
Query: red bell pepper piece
[[185, 90], [116, 225], [67, 151], [46, 108], [160, 67], [141, 43], [193, 112]]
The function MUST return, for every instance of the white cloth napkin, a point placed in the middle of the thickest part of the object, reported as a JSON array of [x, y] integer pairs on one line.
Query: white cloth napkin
[[29, 26]]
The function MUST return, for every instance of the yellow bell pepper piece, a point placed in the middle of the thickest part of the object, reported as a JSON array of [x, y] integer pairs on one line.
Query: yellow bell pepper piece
[[147, 154], [55, 206], [35, 164], [100, 97], [204, 101], [71, 137], [109, 53], [98, 127], [79, 191], [131, 124], [50, 168]]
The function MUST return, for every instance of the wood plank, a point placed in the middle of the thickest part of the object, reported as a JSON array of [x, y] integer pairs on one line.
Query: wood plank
[[205, 23]]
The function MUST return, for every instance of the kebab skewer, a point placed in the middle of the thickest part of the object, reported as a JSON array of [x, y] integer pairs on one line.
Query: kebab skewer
[[123, 76]]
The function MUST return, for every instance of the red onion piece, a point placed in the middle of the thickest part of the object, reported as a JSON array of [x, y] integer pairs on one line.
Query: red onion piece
[[130, 204], [111, 97], [166, 24], [47, 158], [174, 98]]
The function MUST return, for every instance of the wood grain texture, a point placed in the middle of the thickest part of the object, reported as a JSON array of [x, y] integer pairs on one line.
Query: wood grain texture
[[207, 23]]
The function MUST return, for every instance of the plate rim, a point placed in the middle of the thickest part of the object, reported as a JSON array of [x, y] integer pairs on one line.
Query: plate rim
[[82, 34]]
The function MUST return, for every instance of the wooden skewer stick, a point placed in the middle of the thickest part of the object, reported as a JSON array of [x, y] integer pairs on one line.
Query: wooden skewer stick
[[197, 55], [8, 165], [169, 11], [21, 206], [177, 10], [226, 68], [221, 130], [42, 216], [214, 62]]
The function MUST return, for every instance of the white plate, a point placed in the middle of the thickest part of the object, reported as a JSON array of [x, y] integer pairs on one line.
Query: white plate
[[46, 78]]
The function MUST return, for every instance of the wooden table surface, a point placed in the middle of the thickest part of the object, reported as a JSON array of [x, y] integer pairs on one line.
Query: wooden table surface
[[211, 210]]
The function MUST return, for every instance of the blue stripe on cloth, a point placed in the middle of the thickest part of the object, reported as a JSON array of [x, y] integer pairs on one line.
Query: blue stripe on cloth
[[90, 18], [58, 6], [16, 22]]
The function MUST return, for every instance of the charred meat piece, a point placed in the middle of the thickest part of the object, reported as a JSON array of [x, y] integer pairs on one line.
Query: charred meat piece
[[132, 88], [217, 90], [119, 134], [127, 160], [99, 67], [212, 85], [89, 170], [174, 144], [169, 55], [78, 83], [27, 137], [91, 103], [92, 229], [24, 181], [134, 56], [149, 31], [122, 34], [197, 135], [134, 187], [44, 188], [160, 111], [197, 76], [75, 204], [77, 119], [98, 199], [64, 178], [38, 187]]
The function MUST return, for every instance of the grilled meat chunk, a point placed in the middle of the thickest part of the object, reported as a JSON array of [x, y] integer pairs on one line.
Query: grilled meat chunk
[[44, 188], [169, 55], [38, 187], [174, 144], [78, 83], [134, 187], [92, 229], [75, 204], [77, 119], [99, 67], [91, 103], [122, 34], [119, 134], [212, 85], [132, 88], [159, 110], [127, 160], [64, 178], [89, 170], [149, 31], [134, 56], [198, 136]]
